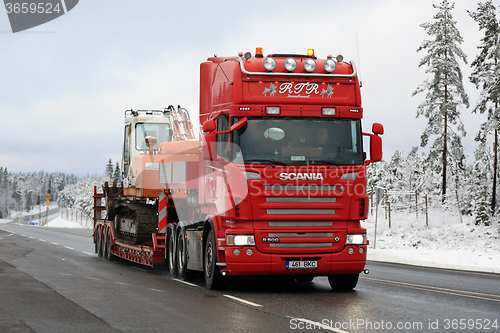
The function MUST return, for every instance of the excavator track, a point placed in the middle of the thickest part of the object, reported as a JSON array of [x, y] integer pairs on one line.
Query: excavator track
[[144, 219]]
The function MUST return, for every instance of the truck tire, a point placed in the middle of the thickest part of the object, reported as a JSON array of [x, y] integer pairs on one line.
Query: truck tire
[[96, 241], [343, 282], [104, 243], [181, 255], [110, 256], [213, 278], [99, 244], [170, 254]]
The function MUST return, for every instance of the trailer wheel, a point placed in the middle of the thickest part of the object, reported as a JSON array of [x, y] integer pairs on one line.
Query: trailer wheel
[[104, 243], [181, 255], [110, 256], [96, 241], [170, 254], [99, 243], [343, 282], [213, 278]]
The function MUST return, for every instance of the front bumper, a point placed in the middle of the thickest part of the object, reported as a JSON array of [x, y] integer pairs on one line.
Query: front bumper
[[275, 264]]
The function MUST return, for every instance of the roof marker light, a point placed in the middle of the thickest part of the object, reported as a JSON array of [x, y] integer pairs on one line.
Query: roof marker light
[[290, 64], [310, 52], [259, 53]]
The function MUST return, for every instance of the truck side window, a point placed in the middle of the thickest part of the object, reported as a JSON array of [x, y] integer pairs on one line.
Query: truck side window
[[223, 138]]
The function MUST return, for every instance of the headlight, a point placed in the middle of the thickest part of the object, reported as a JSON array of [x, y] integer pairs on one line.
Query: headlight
[[329, 65], [270, 64], [290, 64], [309, 65], [355, 239], [240, 240]]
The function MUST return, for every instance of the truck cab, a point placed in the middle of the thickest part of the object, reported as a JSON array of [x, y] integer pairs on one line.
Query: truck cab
[[141, 128]]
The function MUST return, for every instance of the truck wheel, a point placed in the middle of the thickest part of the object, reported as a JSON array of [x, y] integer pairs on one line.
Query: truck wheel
[[213, 278], [181, 255], [110, 256], [170, 254], [96, 241], [99, 244], [343, 282], [104, 244]]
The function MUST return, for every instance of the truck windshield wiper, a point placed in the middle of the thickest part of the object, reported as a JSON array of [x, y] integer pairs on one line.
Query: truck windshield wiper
[[270, 161]]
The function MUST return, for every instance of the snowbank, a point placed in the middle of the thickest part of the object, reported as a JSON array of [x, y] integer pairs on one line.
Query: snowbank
[[448, 241], [59, 222]]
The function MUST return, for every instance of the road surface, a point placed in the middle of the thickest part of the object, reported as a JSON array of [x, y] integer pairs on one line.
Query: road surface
[[51, 281]]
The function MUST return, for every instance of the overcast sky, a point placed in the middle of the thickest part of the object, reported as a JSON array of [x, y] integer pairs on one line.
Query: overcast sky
[[65, 85]]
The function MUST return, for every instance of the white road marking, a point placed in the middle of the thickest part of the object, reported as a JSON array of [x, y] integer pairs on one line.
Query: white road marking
[[123, 284], [54, 243], [69, 247], [242, 300], [42, 240], [90, 254], [185, 282], [161, 291], [92, 278]]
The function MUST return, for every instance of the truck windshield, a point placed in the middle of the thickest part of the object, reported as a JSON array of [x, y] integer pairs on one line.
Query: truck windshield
[[160, 131], [294, 140]]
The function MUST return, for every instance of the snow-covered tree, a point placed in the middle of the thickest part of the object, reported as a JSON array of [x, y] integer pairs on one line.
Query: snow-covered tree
[[84, 200], [117, 175], [444, 93], [486, 77], [109, 171], [479, 182]]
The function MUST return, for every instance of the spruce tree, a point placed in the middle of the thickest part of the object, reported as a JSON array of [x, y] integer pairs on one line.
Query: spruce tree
[[117, 176], [486, 77], [444, 92], [109, 171]]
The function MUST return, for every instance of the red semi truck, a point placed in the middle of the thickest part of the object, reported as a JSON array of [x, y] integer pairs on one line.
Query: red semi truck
[[275, 185]]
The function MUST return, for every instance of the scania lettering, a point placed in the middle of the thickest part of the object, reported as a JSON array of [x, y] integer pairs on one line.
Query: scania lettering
[[275, 184], [301, 176]]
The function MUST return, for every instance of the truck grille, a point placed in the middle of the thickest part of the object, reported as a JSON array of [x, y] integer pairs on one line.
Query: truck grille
[[293, 224], [284, 210]]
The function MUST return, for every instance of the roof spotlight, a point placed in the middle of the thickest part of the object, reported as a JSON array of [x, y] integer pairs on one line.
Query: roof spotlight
[[290, 64], [329, 65], [309, 65], [270, 63]]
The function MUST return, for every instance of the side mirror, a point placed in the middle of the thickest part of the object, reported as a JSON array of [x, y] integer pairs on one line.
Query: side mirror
[[375, 148], [209, 146], [375, 143], [378, 128], [209, 125]]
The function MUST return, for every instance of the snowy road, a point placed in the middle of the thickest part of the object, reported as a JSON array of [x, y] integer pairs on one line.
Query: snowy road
[[95, 295]]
